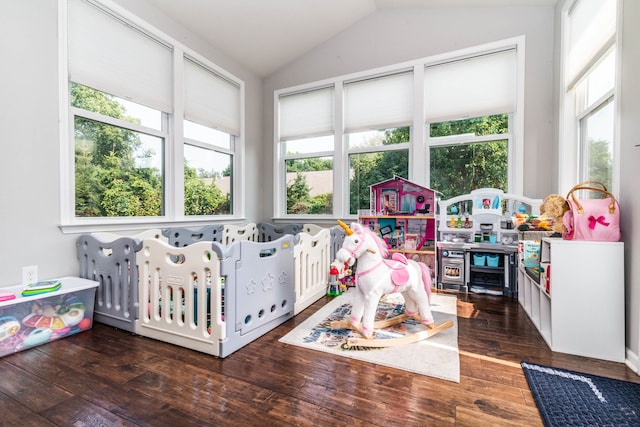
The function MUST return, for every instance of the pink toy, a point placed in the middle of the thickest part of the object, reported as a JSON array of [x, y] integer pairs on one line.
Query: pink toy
[[377, 276]]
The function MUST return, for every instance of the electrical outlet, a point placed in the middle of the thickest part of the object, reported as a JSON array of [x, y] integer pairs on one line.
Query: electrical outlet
[[29, 274]]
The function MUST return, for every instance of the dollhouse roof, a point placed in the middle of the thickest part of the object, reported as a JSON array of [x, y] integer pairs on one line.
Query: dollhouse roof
[[407, 186]]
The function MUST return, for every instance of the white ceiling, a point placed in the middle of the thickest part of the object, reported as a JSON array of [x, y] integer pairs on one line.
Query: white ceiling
[[264, 35]]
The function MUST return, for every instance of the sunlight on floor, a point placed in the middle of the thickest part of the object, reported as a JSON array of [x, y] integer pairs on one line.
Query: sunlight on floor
[[467, 309], [489, 359]]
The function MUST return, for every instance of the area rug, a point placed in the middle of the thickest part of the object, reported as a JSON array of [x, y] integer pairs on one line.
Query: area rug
[[436, 356], [568, 398]]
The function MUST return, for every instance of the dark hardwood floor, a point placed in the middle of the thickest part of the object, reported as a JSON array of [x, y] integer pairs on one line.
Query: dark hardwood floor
[[105, 377]]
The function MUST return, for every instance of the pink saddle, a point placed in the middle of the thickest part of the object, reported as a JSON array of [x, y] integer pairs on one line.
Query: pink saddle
[[399, 270]]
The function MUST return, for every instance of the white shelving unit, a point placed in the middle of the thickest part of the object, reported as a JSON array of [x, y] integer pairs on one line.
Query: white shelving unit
[[583, 312]]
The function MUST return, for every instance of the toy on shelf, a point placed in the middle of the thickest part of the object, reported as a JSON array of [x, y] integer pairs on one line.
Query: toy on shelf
[[553, 207], [377, 276], [487, 215]]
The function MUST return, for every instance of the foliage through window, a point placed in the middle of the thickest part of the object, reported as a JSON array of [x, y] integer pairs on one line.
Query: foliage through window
[[471, 162], [118, 170], [371, 167], [207, 170], [309, 186], [309, 175]]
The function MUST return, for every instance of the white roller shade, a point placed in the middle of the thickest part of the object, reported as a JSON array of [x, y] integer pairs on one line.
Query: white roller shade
[[210, 99], [473, 87], [307, 114], [108, 55], [592, 29], [378, 103]]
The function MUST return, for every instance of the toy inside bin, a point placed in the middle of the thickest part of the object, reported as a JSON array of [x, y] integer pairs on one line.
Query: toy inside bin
[[479, 259], [28, 321], [493, 260]]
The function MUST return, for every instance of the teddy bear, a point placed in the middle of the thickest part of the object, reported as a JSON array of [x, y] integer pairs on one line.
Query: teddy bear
[[554, 206]]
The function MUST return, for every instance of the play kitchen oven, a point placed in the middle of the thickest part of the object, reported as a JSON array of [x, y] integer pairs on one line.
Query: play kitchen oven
[[451, 261], [478, 267]]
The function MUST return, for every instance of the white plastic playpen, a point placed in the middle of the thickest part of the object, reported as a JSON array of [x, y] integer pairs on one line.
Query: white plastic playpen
[[213, 289]]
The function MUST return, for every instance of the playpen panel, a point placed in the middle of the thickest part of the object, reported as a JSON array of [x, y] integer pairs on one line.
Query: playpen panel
[[269, 232], [182, 236], [181, 295], [259, 291], [337, 239], [152, 233], [312, 229], [234, 233], [311, 267], [113, 266]]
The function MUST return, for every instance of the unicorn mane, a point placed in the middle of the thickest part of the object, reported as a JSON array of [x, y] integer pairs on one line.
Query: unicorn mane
[[382, 246]]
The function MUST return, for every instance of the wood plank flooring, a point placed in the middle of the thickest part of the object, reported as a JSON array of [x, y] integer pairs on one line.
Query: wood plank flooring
[[109, 377]]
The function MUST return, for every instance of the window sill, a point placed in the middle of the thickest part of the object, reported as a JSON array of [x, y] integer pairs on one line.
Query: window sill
[[126, 224]]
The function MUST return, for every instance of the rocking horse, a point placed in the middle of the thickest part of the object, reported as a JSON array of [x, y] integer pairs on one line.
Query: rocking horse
[[377, 276]]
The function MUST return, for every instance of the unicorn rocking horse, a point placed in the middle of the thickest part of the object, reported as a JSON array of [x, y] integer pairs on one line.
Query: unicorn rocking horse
[[376, 276]]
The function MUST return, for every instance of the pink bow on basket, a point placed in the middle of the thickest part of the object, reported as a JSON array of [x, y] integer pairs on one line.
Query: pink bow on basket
[[593, 220]]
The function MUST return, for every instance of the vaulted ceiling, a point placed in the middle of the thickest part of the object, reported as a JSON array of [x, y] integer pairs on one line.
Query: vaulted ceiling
[[264, 35]]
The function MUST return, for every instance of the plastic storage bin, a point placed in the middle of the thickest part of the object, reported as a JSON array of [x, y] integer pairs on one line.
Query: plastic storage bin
[[479, 259], [26, 322], [493, 260]]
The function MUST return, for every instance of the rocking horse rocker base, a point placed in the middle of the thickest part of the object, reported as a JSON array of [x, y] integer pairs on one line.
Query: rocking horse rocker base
[[390, 342]]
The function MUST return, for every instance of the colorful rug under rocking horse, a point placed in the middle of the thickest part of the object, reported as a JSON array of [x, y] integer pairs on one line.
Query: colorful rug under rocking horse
[[436, 356]]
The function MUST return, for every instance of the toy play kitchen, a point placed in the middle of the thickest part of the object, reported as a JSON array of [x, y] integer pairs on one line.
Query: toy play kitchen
[[478, 241]]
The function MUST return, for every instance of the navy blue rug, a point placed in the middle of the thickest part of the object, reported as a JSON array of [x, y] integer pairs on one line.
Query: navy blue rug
[[568, 398]]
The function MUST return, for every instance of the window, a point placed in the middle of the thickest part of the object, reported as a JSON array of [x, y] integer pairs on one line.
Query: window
[[137, 150], [469, 154], [309, 185], [467, 108], [212, 121], [307, 143], [208, 167], [594, 107], [449, 121], [589, 64], [371, 164], [377, 118], [119, 156]]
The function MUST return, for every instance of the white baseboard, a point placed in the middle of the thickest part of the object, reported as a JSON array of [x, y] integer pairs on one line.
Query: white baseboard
[[632, 361]]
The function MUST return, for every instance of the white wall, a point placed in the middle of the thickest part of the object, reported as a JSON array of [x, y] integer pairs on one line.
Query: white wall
[[630, 173], [29, 193], [395, 36], [29, 176]]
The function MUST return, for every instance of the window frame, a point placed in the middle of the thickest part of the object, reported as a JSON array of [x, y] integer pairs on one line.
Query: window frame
[[172, 129], [418, 146], [571, 154]]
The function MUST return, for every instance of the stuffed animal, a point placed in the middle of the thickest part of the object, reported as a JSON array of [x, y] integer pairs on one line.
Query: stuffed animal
[[554, 206]]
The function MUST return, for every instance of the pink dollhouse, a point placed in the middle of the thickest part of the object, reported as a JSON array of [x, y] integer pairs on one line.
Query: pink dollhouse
[[403, 214]]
